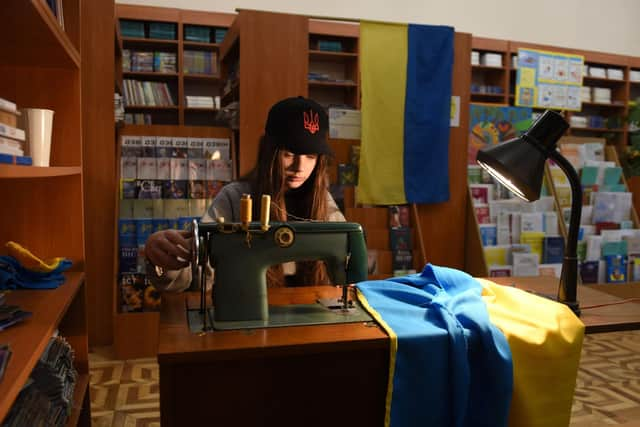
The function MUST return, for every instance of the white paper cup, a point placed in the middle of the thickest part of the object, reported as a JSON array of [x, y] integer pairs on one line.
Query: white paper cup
[[39, 124]]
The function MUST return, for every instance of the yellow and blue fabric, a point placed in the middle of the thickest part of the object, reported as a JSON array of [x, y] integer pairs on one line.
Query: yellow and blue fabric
[[544, 342], [23, 269], [405, 106], [545, 339], [452, 366]]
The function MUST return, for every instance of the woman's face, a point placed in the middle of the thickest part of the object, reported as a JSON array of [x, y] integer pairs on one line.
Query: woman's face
[[297, 167]]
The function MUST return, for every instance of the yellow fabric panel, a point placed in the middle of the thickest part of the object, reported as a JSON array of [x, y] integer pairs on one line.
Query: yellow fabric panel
[[393, 350], [383, 71], [30, 261], [545, 338]]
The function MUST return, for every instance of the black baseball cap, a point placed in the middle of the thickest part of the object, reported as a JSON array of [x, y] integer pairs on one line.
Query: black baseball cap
[[300, 125]]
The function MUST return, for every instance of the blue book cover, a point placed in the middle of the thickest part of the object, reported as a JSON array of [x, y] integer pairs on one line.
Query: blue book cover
[[553, 250], [589, 271], [616, 266]]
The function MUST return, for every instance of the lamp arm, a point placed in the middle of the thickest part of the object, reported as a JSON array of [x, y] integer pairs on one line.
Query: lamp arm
[[567, 291]]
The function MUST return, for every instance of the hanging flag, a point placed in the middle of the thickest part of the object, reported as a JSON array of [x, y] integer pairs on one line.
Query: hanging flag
[[406, 99]]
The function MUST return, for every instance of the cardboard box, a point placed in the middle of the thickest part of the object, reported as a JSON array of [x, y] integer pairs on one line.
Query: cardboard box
[[344, 123]]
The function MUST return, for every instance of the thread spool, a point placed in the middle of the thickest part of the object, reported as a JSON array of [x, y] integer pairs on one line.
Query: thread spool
[[265, 210], [245, 210]]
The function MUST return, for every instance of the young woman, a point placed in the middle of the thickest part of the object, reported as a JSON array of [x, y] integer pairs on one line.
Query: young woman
[[292, 168]]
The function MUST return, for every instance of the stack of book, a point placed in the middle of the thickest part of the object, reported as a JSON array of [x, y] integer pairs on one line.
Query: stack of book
[[164, 62], [200, 62], [140, 62], [12, 138], [518, 238], [202, 102], [147, 93], [609, 242]]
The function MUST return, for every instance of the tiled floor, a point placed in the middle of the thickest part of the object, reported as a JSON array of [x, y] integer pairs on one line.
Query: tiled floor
[[126, 393]]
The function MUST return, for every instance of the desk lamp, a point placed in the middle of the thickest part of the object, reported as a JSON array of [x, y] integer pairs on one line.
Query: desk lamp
[[518, 164]]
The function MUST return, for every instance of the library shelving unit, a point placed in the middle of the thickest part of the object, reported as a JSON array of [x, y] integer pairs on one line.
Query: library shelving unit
[[340, 81], [181, 83], [615, 131], [135, 334], [490, 84], [43, 208]]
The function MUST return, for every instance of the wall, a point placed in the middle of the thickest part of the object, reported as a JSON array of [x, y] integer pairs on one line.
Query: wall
[[610, 26]]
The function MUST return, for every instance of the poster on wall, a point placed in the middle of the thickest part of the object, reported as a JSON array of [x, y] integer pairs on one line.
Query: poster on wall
[[549, 80], [490, 125]]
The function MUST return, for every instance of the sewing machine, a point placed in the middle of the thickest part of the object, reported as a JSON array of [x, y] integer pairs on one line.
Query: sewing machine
[[240, 254]]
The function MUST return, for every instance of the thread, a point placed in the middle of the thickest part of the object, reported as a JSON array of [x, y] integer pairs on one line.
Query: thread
[[245, 210], [265, 210]]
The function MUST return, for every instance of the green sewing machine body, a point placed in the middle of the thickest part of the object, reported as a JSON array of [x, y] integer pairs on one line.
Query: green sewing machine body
[[241, 254]]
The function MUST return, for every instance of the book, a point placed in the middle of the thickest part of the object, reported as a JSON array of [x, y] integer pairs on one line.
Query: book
[[400, 239], [8, 106], [589, 271], [399, 216], [481, 194], [132, 292], [500, 271], [616, 266], [16, 160], [12, 132], [553, 249]]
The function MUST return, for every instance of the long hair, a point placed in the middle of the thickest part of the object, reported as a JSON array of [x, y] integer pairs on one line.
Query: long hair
[[269, 177]]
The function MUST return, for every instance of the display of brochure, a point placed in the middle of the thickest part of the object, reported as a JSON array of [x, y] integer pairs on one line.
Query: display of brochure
[[549, 80]]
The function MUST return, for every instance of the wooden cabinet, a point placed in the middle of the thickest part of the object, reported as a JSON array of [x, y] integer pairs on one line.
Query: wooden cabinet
[[490, 71], [42, 209]]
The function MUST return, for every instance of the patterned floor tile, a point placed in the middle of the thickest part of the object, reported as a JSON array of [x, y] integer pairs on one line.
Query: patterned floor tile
[[126, 393]]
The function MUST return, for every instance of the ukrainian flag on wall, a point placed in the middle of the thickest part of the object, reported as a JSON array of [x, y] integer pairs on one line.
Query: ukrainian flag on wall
[[406, 97]]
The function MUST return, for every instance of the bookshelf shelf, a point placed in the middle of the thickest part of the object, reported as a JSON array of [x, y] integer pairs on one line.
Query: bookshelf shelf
[[213, 77], [318, 83], [604, 130], [151, 74], [200, 45], [45, 44], [151, 42], [199, 109], [605, 105], [151, 107], [603, 80], [488, 95], [487, 68], [16, 171], [322, 55]]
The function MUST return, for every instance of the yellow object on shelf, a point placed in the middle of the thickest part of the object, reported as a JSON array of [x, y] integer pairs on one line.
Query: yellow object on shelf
[[30, 261]]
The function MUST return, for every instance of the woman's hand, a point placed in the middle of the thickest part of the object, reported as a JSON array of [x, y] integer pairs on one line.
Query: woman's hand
[[169, 249]]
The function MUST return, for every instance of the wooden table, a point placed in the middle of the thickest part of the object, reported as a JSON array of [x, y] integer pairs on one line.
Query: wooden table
[[293, 376], [306, 375], [608, 318]]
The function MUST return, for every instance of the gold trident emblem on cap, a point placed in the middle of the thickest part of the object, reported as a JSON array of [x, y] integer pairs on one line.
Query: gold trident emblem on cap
[[311, 122]]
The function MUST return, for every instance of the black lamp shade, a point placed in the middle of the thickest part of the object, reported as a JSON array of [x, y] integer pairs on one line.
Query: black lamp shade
[[517, 164]]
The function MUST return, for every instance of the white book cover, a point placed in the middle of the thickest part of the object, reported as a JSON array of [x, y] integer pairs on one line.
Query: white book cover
[[525, 265], [179, 169], [128, 167], [149, 146], [11, 132], [164, 146], [197, 169], [147, 168], [163, 169], [217, 149]]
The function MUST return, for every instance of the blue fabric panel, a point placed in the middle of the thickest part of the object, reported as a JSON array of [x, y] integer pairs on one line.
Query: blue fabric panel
[[427, 113]]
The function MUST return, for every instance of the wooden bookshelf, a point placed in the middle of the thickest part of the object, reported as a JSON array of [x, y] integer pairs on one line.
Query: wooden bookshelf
[[63, 308], [44, 205], [180, 84]]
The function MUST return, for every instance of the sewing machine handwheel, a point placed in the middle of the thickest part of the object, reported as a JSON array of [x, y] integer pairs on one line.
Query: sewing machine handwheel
[[195, 256]]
